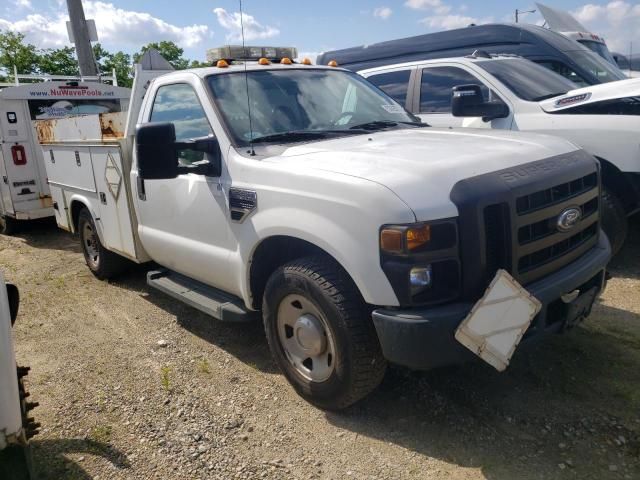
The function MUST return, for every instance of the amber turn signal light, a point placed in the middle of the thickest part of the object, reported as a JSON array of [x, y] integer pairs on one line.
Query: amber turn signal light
[[418, 236], [391, 240]]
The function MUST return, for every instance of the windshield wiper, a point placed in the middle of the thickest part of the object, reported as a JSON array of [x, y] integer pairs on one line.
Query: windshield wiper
[[381, 124], [374, 125], [291, 136]]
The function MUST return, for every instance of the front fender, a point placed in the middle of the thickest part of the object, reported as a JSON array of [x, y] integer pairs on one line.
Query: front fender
[[357, 253]]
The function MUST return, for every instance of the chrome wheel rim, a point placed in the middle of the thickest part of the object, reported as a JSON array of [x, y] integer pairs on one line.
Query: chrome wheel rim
[[90, 244], [306, 338]]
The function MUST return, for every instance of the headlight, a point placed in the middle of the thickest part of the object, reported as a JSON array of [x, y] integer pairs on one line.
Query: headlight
[[420, 279], [421, 261], [401, 239]]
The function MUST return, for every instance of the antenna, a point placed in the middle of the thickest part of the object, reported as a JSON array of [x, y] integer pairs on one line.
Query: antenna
[[252, 152]]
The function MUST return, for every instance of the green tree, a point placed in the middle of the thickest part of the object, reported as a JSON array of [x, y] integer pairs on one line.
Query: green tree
[[169, 50], [199, 64], [14, 51], [119, 61], [59, 61]]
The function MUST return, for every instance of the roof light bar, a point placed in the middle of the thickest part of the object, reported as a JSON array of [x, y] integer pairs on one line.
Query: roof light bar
[[238, 52]]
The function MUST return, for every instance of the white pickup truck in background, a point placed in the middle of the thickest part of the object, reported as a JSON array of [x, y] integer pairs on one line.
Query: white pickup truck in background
[[302, 195], [512, 93]]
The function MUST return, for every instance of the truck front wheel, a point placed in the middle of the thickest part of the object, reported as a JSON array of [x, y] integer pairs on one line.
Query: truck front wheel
[[614, 220], [320, 333], [102, 263]]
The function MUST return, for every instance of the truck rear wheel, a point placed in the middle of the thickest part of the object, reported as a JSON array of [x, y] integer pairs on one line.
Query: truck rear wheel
[[320, 333], [614, 220], [102, 263], [8, 225]]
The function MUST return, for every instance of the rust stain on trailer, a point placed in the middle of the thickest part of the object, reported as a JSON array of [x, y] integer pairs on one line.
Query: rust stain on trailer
[[45, 129], [46, 201], [111, 125]]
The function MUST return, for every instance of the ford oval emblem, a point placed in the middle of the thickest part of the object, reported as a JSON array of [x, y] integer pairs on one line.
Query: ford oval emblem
[[568, 219]]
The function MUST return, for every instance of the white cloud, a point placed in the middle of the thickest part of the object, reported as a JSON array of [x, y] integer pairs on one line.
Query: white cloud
[[449, 22], [116, 26], [253, 29], [382, 12], [26, 4], [437, 6], [618, 22]]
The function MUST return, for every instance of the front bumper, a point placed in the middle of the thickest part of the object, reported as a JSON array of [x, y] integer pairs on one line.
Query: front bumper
[[423, 338]]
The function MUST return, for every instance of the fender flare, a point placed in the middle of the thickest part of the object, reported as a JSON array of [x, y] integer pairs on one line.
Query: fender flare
[[86, 203]]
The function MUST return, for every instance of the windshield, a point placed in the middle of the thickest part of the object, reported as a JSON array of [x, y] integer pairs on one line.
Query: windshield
[[526, 79], [312, 102], [603, 71], [599, 48]]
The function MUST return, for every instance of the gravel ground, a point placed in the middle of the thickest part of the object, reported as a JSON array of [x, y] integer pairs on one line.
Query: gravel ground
[[133, 385]]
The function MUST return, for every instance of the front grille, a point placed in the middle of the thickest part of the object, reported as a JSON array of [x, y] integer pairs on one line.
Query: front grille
[[528, 243], [556, 194], [509, 219]]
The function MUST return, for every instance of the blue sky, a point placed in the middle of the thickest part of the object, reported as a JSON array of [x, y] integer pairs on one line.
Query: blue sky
[[311, 26]]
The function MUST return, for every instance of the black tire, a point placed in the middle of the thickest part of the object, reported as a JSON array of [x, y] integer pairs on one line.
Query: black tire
[[8, 225], [15, 463], [358, 366], [614, 220], [103, 263]]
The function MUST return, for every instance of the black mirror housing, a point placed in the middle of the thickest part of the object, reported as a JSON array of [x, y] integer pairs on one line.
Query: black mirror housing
[[468, 101], [156, 151]]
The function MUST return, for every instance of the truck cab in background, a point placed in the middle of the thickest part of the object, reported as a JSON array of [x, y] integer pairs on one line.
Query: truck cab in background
[[24, 191], [303, 196], [510, 93]]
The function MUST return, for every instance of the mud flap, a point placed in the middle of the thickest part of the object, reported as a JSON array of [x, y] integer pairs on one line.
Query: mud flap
[[497, 322]]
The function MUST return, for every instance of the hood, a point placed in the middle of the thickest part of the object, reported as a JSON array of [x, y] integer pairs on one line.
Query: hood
[[593, 94], [421, 166]]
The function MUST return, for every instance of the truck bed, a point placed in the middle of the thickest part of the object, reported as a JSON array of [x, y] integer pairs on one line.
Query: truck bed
[[87, 161]]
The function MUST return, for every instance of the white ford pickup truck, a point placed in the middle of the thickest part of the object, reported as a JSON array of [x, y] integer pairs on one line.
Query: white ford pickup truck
[[304, 196], [511, 93]]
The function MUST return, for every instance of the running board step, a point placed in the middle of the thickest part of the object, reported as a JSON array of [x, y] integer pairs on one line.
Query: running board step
[[209, 300]]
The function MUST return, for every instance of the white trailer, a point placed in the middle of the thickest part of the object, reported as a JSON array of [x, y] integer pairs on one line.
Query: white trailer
[[24, 193]]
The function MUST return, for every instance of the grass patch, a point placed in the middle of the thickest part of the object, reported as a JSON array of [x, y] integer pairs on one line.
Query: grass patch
[[165, 379]]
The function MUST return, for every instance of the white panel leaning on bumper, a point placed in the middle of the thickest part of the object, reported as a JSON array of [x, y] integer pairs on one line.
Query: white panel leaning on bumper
[[497, 322]]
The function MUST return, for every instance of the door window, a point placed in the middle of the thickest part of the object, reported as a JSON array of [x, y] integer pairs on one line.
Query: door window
[[436, 86], [394, 84], [179, 104]]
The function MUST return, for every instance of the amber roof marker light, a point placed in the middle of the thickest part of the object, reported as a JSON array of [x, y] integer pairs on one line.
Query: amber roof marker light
[[222, 64], [306, 61], [286, 61], [332, 63]]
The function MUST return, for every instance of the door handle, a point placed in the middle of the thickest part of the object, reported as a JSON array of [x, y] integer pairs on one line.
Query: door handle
[[140, 187]]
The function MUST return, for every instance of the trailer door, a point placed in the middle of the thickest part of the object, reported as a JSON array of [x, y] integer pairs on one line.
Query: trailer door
[[23, 177]]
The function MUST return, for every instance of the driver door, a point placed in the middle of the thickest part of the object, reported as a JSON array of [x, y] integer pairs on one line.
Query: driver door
[[183, 221]]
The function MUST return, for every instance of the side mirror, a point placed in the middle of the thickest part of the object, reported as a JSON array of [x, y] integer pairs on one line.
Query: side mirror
[[468, 101], [156, 151]]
